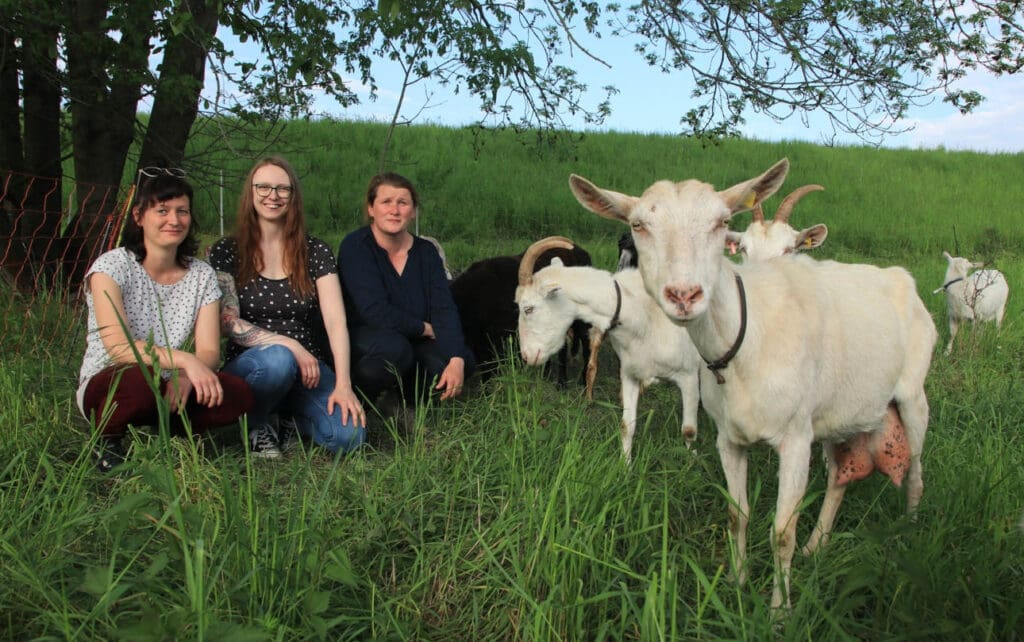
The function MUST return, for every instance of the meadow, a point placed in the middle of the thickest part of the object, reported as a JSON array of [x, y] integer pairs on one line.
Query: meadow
[[509, 514]]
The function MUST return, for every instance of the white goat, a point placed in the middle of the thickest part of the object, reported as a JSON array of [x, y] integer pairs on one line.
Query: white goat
[[649, 346], [884, 450], [814, 351], [980, 296], [767, 239]]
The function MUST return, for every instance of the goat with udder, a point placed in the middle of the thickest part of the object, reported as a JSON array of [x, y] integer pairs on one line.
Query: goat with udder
[[649, 346], [978, 296], [803, 350], [885, 450]]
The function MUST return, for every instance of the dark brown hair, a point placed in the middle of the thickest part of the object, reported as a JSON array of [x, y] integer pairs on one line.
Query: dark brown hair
[[155, 190]]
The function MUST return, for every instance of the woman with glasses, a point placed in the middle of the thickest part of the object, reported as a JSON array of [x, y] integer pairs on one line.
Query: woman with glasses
[[402, 316], [146, 299], [281, 292]]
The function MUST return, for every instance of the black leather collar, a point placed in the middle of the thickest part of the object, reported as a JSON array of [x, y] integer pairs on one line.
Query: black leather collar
[[720, 364], [951, 282], [618, 306]]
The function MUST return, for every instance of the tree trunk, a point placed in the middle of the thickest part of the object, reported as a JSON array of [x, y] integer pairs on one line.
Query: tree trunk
[[105, 80], [34, 200], [176, 99], [11, 154]]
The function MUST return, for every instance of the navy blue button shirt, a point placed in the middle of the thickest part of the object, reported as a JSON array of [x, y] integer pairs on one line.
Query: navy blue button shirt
[[376, 295]]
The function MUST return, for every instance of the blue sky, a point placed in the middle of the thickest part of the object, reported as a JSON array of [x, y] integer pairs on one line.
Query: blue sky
[[649, 103]]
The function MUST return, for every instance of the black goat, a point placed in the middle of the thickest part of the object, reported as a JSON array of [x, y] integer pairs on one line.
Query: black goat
[[627, 252], [485, 296]]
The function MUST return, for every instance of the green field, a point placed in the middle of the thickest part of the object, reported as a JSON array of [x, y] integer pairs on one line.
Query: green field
[[509, 514]]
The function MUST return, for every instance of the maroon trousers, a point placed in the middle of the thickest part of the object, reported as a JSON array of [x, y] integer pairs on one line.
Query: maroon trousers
[[133, 402]]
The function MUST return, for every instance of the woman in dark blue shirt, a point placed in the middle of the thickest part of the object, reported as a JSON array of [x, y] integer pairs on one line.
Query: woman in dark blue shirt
[[403, 324]]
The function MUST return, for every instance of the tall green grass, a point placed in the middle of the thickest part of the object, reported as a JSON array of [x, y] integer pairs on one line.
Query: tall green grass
[[509, 514]]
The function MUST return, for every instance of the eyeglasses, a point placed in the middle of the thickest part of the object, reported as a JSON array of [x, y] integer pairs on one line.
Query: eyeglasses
[[263, 190]]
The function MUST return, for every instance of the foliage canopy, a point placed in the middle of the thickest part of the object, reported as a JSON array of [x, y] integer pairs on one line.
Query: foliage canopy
[[74, 74]]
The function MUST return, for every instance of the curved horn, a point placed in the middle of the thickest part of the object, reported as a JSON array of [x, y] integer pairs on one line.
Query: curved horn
[[786, 207], [530, 255], [758, 213]]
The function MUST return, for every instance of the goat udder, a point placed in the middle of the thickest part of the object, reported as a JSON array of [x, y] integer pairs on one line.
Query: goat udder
[[886, 451]]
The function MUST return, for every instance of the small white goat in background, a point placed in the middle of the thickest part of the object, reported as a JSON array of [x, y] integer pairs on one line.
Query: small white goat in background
[[648, 344], [767, 239], [980, 296]]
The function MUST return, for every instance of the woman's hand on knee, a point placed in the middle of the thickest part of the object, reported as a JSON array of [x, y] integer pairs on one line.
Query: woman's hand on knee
[[205, 382], [176, 393], [309, 366], [348, 402]]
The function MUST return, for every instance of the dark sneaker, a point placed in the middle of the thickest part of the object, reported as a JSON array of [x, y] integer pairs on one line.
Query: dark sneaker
[[109, 454], [288, 433], [263, 442]]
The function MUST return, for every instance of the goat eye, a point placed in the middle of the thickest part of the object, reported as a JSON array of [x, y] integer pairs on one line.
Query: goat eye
[[528, 309], [637, 226]]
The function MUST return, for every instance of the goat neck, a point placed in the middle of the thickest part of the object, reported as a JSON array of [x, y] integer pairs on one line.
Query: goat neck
[[601, 303], [719, 331]]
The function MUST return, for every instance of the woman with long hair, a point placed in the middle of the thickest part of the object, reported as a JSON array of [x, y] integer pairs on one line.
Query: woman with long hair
[[146, 299], [281, 292]]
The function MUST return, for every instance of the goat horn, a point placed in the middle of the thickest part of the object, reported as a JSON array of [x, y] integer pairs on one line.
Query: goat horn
[[530, 255], [786, 207], [758, 213]]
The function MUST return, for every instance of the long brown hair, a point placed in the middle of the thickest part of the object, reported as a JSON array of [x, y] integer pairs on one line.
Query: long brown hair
[[248, 235]]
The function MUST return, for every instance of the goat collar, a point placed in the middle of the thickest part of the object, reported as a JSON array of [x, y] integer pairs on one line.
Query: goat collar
[[618, 306], [720, 364], [945, 286]]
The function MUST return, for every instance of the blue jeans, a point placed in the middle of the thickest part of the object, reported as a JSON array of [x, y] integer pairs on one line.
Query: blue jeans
[[273, 375]]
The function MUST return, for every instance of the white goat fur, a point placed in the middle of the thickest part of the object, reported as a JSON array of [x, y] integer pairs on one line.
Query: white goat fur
[[763, 240], [827, 346], [980, 296], [649, 346]]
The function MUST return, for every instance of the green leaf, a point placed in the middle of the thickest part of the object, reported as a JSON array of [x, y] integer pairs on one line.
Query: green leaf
[[389, 8], [180, 22]]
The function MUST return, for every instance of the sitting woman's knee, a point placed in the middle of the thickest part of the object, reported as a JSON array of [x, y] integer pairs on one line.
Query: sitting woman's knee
[[261, 366], [338, 437]]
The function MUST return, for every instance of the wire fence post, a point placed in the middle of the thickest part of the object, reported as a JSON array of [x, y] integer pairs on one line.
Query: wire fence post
[[222, 202]]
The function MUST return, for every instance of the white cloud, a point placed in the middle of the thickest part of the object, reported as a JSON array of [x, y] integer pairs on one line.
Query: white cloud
[[997, 125]]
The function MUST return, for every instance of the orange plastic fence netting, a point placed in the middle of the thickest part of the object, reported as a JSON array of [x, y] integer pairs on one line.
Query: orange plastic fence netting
[[51, 230]]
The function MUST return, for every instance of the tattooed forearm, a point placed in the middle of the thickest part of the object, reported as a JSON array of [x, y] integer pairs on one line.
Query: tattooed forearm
[[246, 334], [232, 325]]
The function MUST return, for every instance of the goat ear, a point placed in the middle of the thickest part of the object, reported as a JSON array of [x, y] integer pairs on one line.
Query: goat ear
[[947, 255], [557, 262], [811, 238], [732, 241], [603, 202], [745, 195]]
